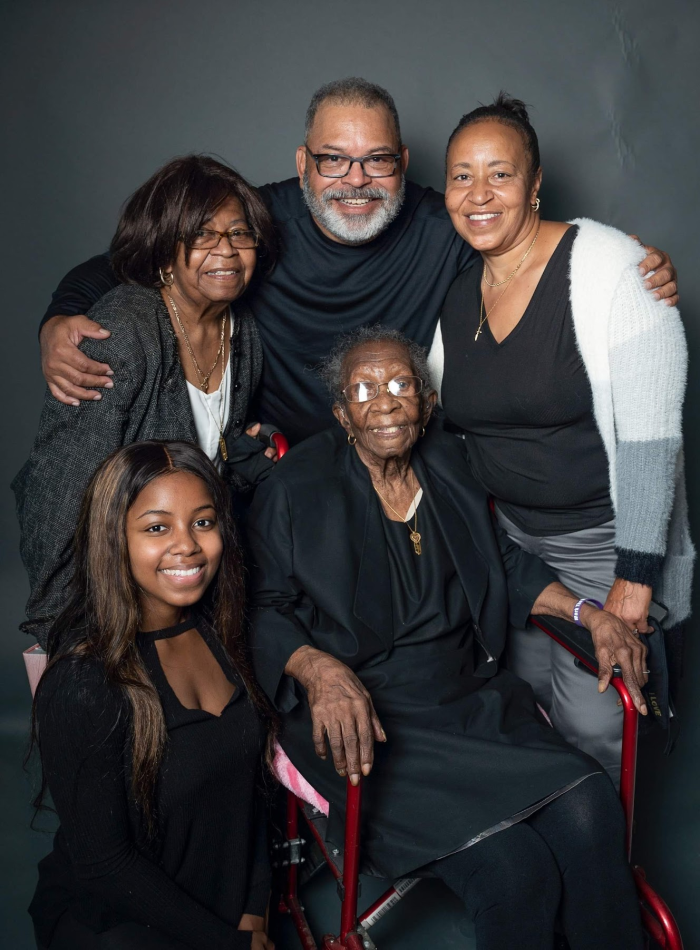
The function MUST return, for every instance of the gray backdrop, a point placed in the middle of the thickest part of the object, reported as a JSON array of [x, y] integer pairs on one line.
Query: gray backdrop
[[97, 95]]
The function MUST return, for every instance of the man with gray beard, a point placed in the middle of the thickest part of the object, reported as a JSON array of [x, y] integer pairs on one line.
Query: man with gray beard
[[359, 245]]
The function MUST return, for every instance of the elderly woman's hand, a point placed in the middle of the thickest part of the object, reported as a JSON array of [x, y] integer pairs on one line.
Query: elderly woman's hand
[[341, 708], [614, 645]]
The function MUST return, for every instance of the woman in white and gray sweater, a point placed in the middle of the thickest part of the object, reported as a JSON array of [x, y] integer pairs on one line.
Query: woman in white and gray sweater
[[567, 378]]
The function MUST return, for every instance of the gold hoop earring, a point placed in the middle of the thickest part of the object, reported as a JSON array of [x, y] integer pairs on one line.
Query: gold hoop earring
[[422, 431], [536, 205], [351, 439], [166, 278]]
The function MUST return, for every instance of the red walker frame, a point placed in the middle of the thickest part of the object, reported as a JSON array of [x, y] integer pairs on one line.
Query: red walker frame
[[657, 919]]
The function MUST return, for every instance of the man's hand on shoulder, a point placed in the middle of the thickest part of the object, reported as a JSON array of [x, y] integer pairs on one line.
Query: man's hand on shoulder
[[663, 282], [68, 371]]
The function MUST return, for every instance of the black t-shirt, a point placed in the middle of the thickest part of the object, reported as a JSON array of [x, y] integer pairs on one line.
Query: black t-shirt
[[321, 289], [526, 405]]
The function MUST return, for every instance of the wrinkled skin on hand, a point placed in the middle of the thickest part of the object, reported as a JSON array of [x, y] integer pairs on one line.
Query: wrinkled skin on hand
[[614, 645], [341, 711]]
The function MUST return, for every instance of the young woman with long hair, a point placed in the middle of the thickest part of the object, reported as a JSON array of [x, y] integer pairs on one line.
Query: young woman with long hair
[[150, 725]]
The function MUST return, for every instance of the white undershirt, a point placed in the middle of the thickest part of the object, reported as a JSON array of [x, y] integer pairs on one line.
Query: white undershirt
[[206, 409]]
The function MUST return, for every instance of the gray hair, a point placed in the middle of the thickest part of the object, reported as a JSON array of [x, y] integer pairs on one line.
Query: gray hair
[[352, 91], [332, 368]]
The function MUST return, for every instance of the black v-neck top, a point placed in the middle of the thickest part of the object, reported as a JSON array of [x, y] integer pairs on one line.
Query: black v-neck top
[[429, 607], [526, 406], [207, 863]]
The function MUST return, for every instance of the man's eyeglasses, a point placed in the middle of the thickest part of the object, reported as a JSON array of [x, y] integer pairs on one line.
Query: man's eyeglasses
[[380, 165], [237, 237], [401, 386]]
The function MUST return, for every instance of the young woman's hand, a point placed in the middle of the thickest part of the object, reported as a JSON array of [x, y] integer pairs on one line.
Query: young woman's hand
[[260, 940]]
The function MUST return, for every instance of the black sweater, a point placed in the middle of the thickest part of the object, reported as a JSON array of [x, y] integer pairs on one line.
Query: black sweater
[[206, 865], [320, 289]]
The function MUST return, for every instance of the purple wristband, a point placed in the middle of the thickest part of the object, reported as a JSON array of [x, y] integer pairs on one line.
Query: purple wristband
[[579, 605]]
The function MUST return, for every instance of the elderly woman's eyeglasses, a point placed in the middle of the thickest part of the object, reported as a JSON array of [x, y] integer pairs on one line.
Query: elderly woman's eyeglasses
[[207, 238], [380, 165], [401, 386]]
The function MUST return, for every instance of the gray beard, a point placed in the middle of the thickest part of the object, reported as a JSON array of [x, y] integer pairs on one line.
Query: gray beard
[[356, 228]]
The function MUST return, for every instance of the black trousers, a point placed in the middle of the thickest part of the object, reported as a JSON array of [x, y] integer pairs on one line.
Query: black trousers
[[568, 859]]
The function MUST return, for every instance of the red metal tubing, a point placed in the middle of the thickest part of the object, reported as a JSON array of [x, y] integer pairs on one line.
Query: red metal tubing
[[306, 938], [292, 833], [658, 919], [351, 859], [628, 775], [281, 444]]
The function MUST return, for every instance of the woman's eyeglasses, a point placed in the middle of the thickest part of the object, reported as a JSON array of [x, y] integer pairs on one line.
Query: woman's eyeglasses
[[401, 386], [207, 238]]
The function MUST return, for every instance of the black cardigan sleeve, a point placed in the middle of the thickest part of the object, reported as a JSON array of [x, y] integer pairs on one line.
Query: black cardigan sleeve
[[82, 287], [83, 732]]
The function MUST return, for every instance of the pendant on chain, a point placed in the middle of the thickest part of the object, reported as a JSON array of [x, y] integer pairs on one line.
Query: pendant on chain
[[222, 447], [415, 537]]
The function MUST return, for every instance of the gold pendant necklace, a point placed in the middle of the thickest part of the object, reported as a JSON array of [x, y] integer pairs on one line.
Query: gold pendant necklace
[[485, 314], [412, 533], [203, 380]]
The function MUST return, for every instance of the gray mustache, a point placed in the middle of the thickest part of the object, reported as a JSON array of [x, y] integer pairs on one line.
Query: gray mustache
[[336, 194]]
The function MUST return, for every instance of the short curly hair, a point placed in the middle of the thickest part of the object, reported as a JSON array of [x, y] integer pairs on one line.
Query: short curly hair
[[332, 368]]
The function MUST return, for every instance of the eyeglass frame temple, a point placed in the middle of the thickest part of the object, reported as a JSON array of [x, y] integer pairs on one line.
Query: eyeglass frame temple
[[361, 159], [223, 234], [378, 385]]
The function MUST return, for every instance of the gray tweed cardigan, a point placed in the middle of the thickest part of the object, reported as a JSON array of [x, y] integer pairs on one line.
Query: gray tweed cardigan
[[149, 401]]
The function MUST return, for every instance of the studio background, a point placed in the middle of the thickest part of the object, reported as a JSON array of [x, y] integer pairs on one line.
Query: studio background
[[97, 96]]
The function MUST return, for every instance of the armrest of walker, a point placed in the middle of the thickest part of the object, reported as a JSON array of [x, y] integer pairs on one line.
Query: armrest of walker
[[577, 640]]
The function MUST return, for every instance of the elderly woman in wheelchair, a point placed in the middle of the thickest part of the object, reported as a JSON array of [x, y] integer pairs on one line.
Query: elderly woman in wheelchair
[[382, 589]]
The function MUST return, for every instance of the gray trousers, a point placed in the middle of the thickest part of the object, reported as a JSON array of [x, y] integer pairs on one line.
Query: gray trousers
[[584, 561]]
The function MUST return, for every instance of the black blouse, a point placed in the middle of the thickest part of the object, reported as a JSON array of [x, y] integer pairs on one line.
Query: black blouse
[[206, 865], [526, 407], [430, 609]]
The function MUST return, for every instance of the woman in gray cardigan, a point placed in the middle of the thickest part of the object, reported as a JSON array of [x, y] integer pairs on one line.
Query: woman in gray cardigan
[[185, 354], [567, 379]]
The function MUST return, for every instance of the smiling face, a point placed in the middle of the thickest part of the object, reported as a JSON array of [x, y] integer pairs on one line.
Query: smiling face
[[387, 426], [356, 208], [174, 546], [490, 186], [217, 274]]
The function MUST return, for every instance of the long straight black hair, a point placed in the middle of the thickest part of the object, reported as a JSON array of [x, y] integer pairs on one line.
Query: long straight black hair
[[102, 615]]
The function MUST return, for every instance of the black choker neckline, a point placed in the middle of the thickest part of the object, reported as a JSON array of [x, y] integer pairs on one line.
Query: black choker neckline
[[174, 631]]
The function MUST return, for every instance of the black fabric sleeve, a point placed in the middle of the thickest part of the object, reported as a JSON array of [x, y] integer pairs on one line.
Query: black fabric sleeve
[[527, 576], [83, 729], [260, 873], [71, 443], [81, 288], [276, 593]]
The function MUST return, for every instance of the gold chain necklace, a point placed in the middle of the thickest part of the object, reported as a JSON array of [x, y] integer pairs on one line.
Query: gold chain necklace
[[485, 314], [219, 423], [203, 380], [413, 534]]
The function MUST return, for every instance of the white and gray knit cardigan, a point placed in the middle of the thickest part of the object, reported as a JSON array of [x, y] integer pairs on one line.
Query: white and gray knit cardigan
[[634, 351]]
